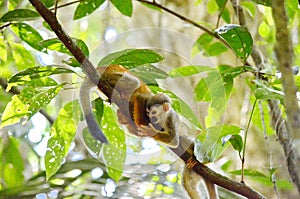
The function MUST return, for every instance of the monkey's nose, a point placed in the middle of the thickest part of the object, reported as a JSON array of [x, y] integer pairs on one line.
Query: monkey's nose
[[154, 120]]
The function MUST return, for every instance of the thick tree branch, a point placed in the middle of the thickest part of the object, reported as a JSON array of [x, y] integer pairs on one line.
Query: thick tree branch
[[199, 168], [286, 141], [284, 54]]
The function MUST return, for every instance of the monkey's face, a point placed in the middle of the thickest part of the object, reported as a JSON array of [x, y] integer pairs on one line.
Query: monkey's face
[[158, 114]]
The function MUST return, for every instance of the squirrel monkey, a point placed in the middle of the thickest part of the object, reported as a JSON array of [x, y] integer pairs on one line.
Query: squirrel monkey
[[143, 113], [163, 120]]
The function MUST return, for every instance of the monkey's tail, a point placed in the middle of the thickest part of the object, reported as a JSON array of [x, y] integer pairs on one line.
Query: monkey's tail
[[86, 107]]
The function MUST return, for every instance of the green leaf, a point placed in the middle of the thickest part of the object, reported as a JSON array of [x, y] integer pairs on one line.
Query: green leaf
[[22, 57], [292, 9], [204, 40], [153, 7], [221, 3], [36, 73], [28, 35], [215, 49], [238, 38], [57, 45], [224, 12], [212, 6], [263, 2], [12, 165], [124, 6], [86, 7], [48, 3], [131, 58], [250, 7], [114, 153], [227, 79], [149, 73], [189, 70], [236, 71], [203, 44], [209, 145], [27, 103], [72, 62], [14, 111], [235, 140], [99, 107], [226, 16], [94, 145], [62, 135], [214, 85], [261, 117], [19, 15], [40, 82], [202, 91], [266, 93], [263, 179], [249, 172]]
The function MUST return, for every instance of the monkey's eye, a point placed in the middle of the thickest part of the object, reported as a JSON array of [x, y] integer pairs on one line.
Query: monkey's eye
[[154, 112]]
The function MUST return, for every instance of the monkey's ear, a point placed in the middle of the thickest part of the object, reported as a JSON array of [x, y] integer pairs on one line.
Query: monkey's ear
[[166, 107]]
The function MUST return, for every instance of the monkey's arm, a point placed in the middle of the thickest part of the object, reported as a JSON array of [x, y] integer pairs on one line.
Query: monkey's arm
[[86, 106], [168, 138]]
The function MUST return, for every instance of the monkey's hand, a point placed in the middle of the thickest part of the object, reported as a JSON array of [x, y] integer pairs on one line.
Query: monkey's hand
[[148, 130], [163, 137]]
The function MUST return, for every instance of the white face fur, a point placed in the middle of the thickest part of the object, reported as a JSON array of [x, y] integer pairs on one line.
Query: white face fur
[[158, 114]]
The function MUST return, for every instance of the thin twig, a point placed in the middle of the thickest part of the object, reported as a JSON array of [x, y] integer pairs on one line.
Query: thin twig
[[245, 140], [5, 25], [55, 7], [67, 4]]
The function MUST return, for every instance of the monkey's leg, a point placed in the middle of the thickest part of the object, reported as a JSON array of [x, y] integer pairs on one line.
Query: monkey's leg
[[211, 189], [190, 182]]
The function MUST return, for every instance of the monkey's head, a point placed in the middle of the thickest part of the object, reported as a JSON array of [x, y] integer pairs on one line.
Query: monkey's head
[[158, 108]]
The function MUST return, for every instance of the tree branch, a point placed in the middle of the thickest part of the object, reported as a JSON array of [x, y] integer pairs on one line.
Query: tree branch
[[284, 54]]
